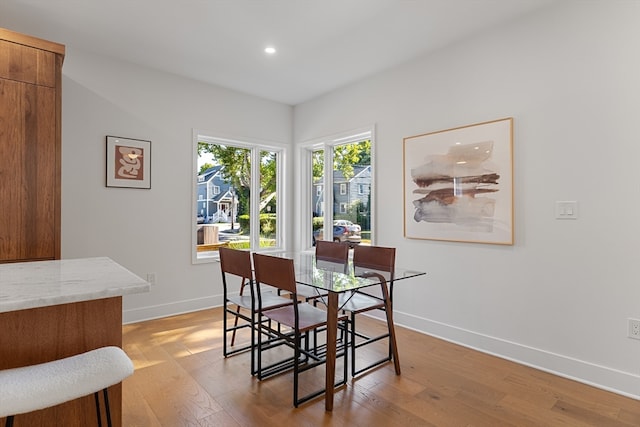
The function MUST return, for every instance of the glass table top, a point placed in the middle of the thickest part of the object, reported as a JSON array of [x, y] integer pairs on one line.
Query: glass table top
[[335, 277]]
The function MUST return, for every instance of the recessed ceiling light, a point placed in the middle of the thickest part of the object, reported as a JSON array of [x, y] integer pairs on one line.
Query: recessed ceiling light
[[270, 50]]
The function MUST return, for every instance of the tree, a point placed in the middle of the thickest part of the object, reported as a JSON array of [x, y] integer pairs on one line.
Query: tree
[[204, 167], [345, 157], [236, 162]]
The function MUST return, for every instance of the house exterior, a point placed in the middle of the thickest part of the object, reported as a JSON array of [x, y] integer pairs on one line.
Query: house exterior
[[348, 193], [216, 201]]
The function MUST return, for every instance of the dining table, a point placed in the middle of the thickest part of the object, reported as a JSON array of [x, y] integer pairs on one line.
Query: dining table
[[333, 279]]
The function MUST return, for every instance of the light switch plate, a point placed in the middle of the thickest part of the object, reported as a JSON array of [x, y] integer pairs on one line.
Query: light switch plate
[[567, 210]]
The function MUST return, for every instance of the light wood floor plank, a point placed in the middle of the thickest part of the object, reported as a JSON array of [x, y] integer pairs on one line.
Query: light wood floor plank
[[182, 379]]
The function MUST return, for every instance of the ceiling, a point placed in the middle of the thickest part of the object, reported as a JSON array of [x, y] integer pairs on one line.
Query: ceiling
[[321, 44]]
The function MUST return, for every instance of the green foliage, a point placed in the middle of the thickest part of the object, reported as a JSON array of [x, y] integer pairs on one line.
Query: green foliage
[[243, 220], [317, 164], [239, 244], [237, 171], [244, 244], [267, 223], [345, 157], [204, 167], [264, 243], [317, 222]]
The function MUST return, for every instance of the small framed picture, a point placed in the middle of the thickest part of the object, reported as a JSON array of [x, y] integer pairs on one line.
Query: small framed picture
[[128, 162]]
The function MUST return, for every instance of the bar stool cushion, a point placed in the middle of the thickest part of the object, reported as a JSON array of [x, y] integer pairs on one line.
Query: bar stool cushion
[[35, 387]]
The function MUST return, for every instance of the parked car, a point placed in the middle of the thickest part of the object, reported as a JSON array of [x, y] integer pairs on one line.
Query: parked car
[[341, 233], [355, 228], [200, 219]]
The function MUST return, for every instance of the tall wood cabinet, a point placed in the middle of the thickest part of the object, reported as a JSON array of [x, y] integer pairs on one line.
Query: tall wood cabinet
[[30, 147]]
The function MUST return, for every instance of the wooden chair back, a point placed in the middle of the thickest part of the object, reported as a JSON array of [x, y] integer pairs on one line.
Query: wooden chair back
[[235, 261], [332, 255], [275, 271], [375, 258], [332, 251]]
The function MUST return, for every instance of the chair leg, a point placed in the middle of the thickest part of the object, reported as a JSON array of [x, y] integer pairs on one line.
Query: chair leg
[[224, 328], [106, 406], [392, 340], [253, 342], [259, 348], [392, 352], [345, 353], [225, 324], [353, 344], [96, 397], [235, 322], [296, 367]]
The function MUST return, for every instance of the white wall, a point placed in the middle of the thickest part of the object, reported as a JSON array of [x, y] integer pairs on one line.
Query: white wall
[[147, 230], [560, 297]]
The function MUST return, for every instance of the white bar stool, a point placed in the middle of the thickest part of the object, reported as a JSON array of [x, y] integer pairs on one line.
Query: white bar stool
[[35, 387]]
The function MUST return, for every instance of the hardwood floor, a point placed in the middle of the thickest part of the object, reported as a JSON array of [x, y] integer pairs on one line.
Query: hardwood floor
[[182, 379]]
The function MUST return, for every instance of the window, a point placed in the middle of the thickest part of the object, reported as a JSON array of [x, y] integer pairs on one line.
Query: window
[[336, 165], [241, 191], [212, 190]]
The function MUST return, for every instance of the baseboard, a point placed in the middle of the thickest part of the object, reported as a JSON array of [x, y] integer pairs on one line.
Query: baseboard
[[170, 309], [619, 382]]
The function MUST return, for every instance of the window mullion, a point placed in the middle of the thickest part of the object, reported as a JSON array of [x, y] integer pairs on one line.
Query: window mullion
[[328, 191], [254, 216]]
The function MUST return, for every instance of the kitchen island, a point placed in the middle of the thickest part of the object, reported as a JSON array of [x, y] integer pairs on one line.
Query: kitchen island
[[54, 309]]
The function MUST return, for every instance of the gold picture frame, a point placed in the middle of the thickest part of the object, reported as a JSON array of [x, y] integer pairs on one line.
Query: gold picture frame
[[458, 184]]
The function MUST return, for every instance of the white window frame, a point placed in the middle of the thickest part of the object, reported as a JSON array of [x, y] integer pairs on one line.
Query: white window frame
[[212, 190], [303, 162], [256, 146]]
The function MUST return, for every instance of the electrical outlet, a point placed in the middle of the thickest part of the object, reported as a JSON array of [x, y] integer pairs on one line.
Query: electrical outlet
[[634, 328], [151, 278]]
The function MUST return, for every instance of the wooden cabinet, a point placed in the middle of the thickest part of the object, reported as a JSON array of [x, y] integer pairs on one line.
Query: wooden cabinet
[[30, 147]]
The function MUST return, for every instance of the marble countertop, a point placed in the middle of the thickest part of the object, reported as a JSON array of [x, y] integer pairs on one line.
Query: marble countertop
[[44, 283]]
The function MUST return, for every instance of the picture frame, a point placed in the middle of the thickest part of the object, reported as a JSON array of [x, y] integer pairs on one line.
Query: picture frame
[[128, 163], [458, 184]]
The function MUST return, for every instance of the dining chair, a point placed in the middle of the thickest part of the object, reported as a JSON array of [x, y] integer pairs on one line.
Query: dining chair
[[241, 306], [31, 388], [376, 262], [295, 322], [328, 256], [333, 254]]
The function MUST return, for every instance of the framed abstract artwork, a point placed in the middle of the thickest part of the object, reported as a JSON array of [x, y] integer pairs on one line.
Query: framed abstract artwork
[[458, 184], [128, 162]]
